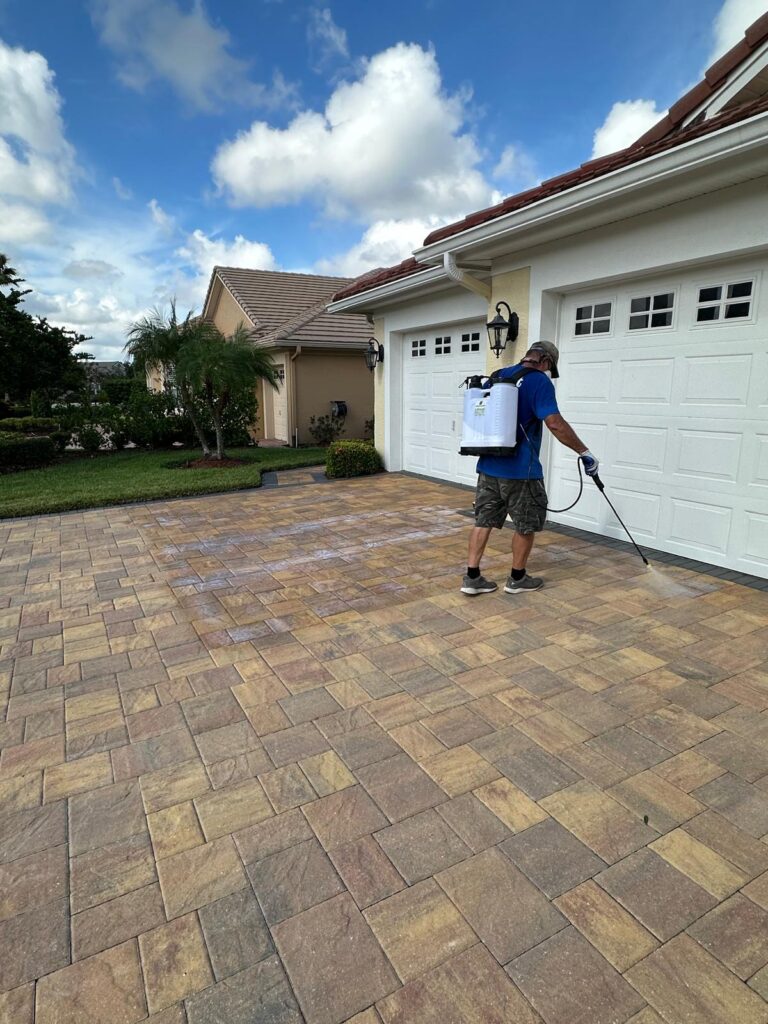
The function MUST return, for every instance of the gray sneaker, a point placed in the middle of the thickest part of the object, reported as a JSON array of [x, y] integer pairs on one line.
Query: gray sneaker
[[526, 583], [480, 585]]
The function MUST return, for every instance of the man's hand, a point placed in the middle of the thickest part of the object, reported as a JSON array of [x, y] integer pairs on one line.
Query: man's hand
[[591, 463]]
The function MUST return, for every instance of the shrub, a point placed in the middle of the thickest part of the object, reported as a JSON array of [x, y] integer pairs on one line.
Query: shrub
[[352, 458], [30, 424], [326, 429], [60, 438], [25, 452], [90, 438]]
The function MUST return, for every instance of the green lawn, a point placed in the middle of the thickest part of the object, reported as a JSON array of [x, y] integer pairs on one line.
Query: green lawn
[[81, 482]]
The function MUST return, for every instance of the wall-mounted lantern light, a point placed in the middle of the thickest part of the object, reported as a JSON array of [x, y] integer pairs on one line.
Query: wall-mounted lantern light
[[500, 331], [374, 354]]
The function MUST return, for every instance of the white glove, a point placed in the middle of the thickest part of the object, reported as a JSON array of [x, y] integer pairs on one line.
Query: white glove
[[591, 463]]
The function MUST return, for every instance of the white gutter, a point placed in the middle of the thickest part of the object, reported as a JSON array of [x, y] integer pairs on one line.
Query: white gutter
[[734, 140], [373, 297], [463, 278]]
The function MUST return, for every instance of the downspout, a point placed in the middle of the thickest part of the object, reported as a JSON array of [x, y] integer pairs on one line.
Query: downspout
[[463, 278], [294, 398]]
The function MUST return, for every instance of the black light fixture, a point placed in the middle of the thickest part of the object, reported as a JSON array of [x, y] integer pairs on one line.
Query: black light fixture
[[374, 354], [500, 331]]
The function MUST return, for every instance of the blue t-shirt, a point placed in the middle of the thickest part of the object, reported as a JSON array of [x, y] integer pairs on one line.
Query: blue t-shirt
[[536, 400]]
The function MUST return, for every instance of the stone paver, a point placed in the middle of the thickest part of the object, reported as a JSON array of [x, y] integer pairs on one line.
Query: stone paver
[[261, 760]]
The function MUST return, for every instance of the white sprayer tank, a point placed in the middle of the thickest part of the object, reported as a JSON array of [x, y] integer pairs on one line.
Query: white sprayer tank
[[490, 420]]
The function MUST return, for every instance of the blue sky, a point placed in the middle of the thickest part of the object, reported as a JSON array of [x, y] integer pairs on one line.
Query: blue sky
[[143, 141]]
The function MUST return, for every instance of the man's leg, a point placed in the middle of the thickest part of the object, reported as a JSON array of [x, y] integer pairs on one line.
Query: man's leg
[[529, 500], [522, 544], [478, 539]]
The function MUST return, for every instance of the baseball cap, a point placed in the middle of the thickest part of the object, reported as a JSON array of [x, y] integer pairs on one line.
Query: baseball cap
[[549, 350]]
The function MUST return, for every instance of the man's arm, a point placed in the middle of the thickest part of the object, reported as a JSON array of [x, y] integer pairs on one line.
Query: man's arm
[[565, 433]]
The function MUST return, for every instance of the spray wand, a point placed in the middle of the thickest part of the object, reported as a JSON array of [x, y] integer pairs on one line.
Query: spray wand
[[601, 488]]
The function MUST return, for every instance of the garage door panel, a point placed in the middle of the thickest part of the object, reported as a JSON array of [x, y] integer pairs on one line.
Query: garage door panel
[[640, 448], [418, 457], [419, 422], [759, 475], [646, 381], [698, 525], [588, 512], [588, 382], [639, 510], [713, 381], [444, 385], [706, 454], [756, 547], [442, 426]]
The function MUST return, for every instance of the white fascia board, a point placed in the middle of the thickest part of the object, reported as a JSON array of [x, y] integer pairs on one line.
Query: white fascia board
[[731, 141], [375, 298], [733, 85]]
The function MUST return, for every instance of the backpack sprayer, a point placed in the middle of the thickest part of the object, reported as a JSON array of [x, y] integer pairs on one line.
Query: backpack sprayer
[[490, 423]]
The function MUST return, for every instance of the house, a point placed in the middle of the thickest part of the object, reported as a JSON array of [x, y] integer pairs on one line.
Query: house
[[319, 357], [97, 372], [649, 269]]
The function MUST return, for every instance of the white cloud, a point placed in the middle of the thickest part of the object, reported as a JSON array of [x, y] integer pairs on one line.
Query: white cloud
[[84, 270], [385, 243], [626, 122], [21, 224], [731, 21], [516, 169], [121, 190], [388, 145], [157, 40], [201, 254], [327, 40], [37, 163], [163, 220]]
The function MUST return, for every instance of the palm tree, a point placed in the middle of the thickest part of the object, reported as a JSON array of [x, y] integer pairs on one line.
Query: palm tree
[[217, 368], [155, 342]]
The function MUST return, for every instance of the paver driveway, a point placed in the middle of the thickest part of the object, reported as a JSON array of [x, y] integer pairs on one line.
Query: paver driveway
[[261, 762]]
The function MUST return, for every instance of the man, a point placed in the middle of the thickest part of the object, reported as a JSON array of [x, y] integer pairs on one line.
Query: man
[[514, 484]]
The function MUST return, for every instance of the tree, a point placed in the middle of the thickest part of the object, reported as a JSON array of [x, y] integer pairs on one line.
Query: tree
[[219, 368], [155, 343], [200, 365], [34, 355]]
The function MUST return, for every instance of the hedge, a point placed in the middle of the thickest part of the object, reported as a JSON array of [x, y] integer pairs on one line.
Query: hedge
[[25, 452], [352, 458], [29, 424]]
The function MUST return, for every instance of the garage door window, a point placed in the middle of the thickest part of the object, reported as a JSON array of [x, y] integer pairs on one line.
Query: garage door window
[[470, 342], [725, 302], [443, 345], [651, 311], [594, 319], [418, 348]]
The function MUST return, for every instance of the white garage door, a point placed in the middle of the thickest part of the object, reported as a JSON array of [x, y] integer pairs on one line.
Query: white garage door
[[667, 382], [435, 363]]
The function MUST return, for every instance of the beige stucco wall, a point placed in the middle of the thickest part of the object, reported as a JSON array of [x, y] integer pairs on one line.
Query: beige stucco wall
[[513, 287], [323, 377], [225, 313]]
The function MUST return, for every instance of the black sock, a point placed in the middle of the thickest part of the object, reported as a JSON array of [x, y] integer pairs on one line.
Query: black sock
[[517, 574], [473, 573]]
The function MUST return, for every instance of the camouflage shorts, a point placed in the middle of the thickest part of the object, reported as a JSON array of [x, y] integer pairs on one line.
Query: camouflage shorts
[[524, 500]]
